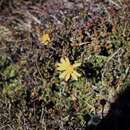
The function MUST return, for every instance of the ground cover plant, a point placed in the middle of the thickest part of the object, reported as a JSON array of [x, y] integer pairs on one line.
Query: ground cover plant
[[62, 62]]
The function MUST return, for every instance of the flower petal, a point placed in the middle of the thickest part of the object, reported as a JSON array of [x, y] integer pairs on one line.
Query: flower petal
[[62, 60], [76, 65], [67, 60], [67, 77], [60, 67], [63, 75], [75, 75]]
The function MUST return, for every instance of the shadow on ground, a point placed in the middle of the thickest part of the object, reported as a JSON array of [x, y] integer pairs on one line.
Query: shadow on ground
[[119, 115]]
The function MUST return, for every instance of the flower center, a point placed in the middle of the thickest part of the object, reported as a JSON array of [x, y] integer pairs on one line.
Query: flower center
[[70, 69]]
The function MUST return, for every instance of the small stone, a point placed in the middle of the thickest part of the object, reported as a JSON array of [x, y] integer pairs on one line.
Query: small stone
[[69, 5]]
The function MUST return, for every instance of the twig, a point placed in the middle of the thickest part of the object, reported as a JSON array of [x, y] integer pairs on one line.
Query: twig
[[42, 120], [39, 71], [114, 3], [32, 17], [1, 2], [1, 128], [109, 59]]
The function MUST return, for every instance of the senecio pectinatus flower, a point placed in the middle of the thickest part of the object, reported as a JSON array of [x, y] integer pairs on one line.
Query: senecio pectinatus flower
[[67, 69], [45, 38]]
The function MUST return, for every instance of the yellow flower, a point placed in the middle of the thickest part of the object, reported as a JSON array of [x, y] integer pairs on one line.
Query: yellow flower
[[45, 38], [67, 69]]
